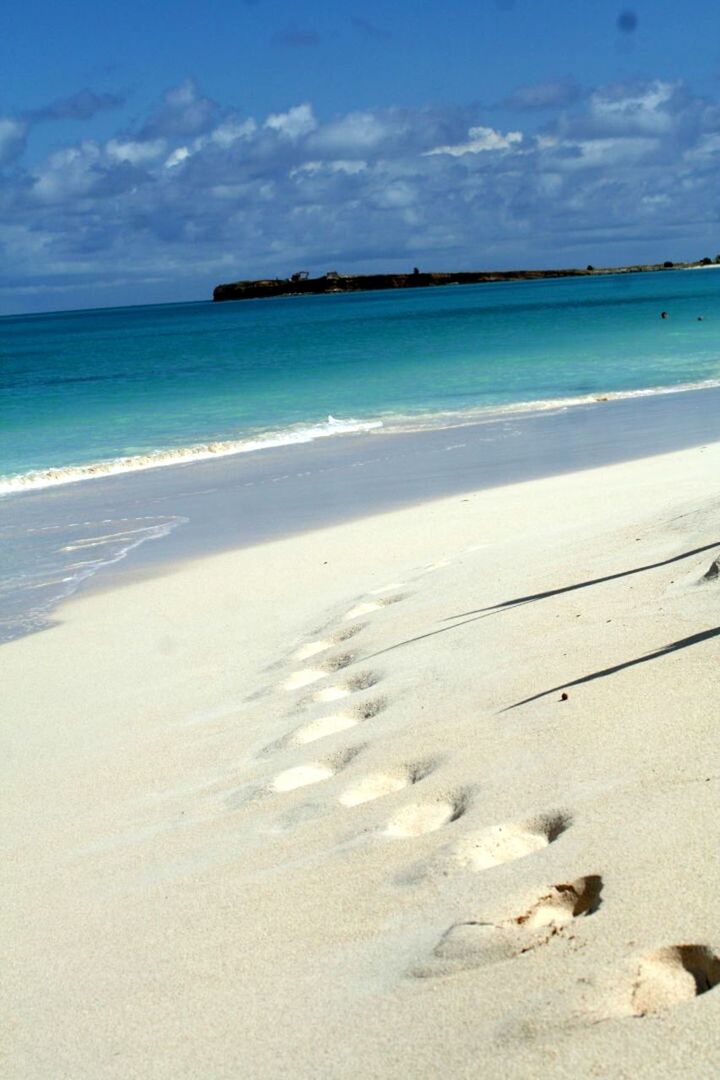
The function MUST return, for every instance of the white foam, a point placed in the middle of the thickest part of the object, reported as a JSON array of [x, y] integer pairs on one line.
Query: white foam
[[391, 424], [105, 550], [154, 459], [398, 423]]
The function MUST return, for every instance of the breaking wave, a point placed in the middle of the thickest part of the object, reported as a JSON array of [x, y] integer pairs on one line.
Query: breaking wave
[[390, 423], [154, 459], [497, 413]]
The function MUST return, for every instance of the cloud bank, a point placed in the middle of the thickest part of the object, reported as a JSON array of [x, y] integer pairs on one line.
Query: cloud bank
[[197, 192]]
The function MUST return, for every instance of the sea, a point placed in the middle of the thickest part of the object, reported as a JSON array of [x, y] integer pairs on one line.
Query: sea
[[90, 396]]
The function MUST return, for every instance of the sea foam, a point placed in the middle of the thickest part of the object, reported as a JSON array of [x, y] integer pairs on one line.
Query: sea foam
[[497, 413], [154, 459], [391, 423]]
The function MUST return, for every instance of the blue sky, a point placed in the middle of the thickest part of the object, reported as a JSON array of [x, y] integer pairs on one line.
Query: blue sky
[[149, 152]]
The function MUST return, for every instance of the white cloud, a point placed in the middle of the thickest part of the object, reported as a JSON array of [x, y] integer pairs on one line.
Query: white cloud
[[479, 140], [223, 137], [133, 151], [231, 130], [180, 154], [293, 124], [68, 173], [168, 199], [706, 148], [22, 243], [397, 195], [648, 109], [619, 101], [350, 168], [357, 131], [12, 138], [183, 111], [610, 152]]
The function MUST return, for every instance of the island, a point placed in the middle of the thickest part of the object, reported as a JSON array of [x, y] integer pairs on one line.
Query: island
[[301, 284]]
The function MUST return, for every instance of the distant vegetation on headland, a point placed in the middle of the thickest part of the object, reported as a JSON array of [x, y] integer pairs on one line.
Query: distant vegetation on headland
[[300, 283]]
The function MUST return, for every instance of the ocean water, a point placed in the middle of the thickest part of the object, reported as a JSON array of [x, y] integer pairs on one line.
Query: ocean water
[[87, 393], [260, 407]]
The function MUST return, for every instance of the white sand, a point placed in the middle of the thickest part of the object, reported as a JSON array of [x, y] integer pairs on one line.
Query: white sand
[[216, 868]]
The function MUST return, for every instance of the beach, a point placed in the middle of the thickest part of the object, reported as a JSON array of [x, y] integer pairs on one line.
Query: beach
[[428, 790], [360, 542]]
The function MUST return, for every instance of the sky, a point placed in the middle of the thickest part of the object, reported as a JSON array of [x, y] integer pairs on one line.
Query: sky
[[151, 151]]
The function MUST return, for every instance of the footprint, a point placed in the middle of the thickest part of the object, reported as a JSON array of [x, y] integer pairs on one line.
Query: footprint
[[419, 818], [329, 725], [333, 693], [312, 772], [363, 609], [312, 648], [372, 605], [304, 677], [372, 787], [375, 785], [671, 975], [369, 708], [476, 944], [307, 676], [301, 776], [563, 903], [326, 725], [362, 681], [346, 632], [338, 662], [713, 571], [503, 843]]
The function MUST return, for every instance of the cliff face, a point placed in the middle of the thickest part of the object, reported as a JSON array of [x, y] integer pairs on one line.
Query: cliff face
[[335, 283]]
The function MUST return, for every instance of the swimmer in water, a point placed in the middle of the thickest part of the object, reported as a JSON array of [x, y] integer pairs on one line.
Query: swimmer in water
[[663, 314]]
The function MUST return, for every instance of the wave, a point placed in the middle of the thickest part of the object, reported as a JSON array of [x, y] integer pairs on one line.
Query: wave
[[154, 459], [38, 574], [391, 423], [489, 414]]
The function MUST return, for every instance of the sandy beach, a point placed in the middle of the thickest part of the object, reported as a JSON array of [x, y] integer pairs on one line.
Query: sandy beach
[[428, 793]]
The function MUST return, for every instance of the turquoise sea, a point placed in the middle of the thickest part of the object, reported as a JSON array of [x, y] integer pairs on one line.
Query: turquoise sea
[[84, 393]]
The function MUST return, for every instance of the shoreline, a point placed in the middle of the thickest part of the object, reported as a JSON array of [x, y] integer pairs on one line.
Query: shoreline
[[336, 767], [264, 376], [196, 509], [310, 431]]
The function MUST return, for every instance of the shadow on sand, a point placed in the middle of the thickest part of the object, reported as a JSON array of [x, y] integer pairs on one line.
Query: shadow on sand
[[673, 646], [466, 617]]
